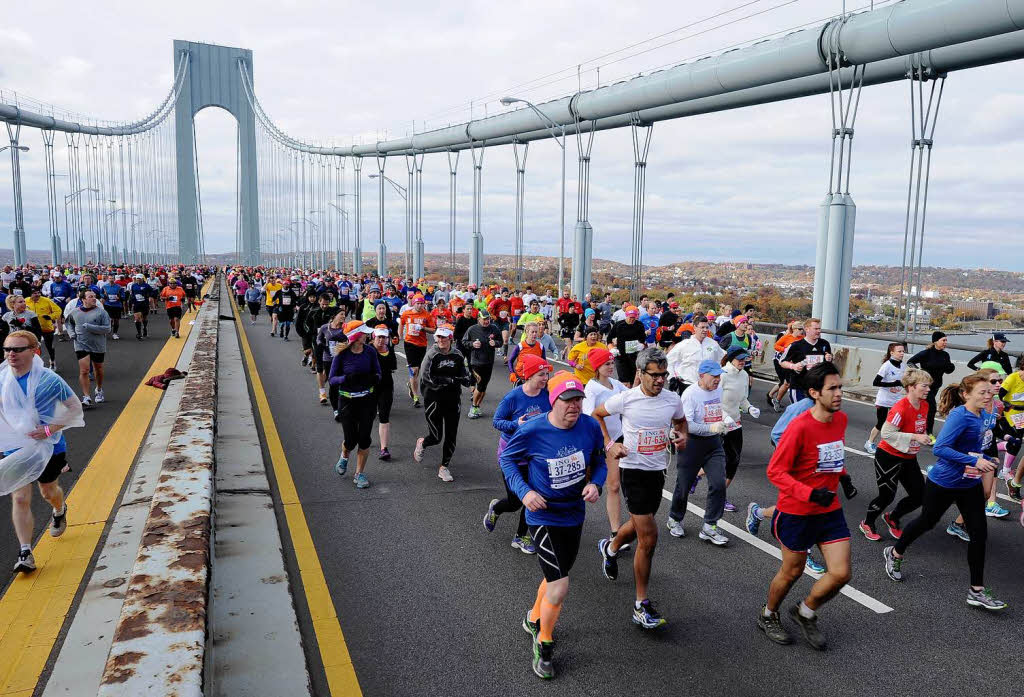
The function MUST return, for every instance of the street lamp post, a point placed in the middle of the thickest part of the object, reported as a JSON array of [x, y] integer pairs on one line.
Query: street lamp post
[[342, 233], [551, 127], [20, 249], [79, 242], [404, 193]]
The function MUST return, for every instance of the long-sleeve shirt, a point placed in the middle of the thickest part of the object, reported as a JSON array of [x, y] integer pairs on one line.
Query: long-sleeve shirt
[[958, 445], [792, 411], [702, 409], [558, 462], [489, 338], [355, 373], [89, 328], [446, 373], [578, 360], [936, 363], [515, 405], [685, 357], [810, 455], [992, 354], [735, 386]]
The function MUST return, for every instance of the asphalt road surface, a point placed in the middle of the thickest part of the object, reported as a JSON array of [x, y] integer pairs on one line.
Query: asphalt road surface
[[126, 363], [431, 604]]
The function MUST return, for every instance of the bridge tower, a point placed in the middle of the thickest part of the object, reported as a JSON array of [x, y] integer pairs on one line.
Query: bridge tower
[[214, 80]]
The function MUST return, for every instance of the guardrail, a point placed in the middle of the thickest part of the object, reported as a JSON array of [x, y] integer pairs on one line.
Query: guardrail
[[159, 645]]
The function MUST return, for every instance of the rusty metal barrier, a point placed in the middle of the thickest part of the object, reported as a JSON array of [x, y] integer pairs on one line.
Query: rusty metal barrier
[[159, 645]]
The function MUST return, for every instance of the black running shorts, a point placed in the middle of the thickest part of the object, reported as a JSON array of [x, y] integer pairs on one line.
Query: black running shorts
[[482, 373], [557, 547], [53, 468], [642, 489], [414, 354]]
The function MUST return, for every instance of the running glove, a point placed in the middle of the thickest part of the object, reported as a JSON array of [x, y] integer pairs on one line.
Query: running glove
[[846, 481], [822, 496]]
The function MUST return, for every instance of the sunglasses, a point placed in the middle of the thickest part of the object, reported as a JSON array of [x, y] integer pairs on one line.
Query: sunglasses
[[995, 381], [656, 376], [17, 349]]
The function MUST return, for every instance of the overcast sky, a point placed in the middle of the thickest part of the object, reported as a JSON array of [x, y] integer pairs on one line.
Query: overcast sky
[[740, 185]]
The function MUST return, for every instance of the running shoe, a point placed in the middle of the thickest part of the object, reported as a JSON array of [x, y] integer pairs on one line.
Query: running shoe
[[384, 455], [26, 562], [893, 564], [524, 544], [532, 628], [444, 474], [59, 522], [994, 510], [336, 417], [675, 528], [305, 361], [693, 487], [771, 625], [474, 413], [776, 405], [543, 652], [710, 533], [115, 337], [931, 439], [868, 532], [984, 599], [957, 530], [729, 507], [342, 465], [769, 398], [361, 481], [416, 403], [646, 616], [894, 528], [86, 401], [754, 518], [417, 453], [100, 397], [870, 447], [1014, 490], [491, 518], [812, 564], [610, 565], [809, 626]]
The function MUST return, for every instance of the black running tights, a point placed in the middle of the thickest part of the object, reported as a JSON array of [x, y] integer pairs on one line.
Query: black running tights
[[890, 472], [511, 504], [971, 502], [441, 408]]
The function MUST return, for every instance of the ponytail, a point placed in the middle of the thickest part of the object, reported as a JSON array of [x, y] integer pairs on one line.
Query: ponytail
[[954, 395]]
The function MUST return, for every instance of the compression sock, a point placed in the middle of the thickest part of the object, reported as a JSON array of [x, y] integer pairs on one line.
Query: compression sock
[[535, 611], [548, 616]]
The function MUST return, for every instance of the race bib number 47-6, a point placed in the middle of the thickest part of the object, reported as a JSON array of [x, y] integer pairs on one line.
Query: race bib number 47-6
[[566, 471], [652, 440], [831, 457]]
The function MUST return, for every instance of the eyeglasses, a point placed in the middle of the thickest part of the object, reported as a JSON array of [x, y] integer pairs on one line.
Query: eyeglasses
[[656, 376], [16, 349]]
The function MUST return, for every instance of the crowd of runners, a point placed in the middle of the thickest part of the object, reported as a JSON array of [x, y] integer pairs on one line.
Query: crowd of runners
[[648, 385], [57, 318]]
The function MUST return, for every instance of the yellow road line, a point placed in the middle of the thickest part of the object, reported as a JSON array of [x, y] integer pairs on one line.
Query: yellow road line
[[341, 674], [34, 607]]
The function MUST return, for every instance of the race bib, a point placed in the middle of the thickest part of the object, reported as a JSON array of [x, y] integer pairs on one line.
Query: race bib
[[1017, 419], [112, 297], [503, 313], [566, 471], [651, 441], [813, 360], [18, 291], [712, 412], [831, 457], [415, 329], [986, 442], [632, 346], [331, 345], [139, 297], [286, 300], [1017, 397]]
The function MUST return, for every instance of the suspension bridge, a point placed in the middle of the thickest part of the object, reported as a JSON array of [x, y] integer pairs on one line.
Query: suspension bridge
[[132, 196]]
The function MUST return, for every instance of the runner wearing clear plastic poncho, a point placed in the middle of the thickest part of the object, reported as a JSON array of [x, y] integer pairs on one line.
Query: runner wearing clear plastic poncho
[[36, 405]]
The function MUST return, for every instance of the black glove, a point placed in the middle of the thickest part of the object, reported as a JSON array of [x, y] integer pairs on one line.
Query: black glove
[[848, 488], [822, 496]]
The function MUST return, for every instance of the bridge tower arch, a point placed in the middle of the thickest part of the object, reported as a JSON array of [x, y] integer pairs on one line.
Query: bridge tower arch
[[213, 79]]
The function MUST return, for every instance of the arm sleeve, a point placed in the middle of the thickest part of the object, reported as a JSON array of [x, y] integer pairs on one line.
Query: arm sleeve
[[895, 437], [516, 451], [335, 375], [503, 420], [512, 356], [944, 447], [780, 466], [973, 363]]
